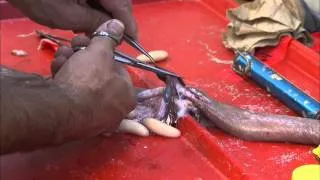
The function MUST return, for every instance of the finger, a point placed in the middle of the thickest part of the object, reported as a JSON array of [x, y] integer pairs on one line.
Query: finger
[[101, 48], [64, 51], [104, 44], [122, 10], [57, 63], [80, 41]]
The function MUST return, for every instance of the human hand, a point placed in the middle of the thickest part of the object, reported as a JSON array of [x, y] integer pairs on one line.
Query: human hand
[[98, 82], [78, 15]]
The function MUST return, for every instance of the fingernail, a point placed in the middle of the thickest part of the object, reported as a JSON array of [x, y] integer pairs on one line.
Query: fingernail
[[80, 40], [115, 27], [64, 51]]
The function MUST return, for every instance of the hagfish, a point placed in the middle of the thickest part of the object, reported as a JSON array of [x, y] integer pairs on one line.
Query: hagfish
[[169, 105], [256, 126]]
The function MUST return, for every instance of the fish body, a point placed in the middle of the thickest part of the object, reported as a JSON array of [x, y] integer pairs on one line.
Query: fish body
[[230, 119], [259, 126]]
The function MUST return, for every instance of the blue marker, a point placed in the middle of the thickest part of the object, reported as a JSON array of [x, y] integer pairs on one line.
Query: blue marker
[[275, 84]]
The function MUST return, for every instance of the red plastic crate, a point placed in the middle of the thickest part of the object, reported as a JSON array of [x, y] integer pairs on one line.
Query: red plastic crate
[[191, 32]]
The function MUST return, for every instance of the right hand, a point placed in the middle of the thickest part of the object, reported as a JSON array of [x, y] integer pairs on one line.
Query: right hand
[[94, 79], [78, 15]]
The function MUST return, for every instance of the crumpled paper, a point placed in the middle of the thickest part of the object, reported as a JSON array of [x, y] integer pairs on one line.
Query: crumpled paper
[[261, 23]]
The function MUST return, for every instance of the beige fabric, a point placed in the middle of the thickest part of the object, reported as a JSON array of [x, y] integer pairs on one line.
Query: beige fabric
[[261, 23]]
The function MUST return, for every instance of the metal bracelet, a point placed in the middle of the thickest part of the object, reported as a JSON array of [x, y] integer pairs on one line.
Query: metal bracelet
[[117, 39]]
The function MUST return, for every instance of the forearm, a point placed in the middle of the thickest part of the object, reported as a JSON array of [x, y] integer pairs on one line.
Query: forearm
[[37, 113]]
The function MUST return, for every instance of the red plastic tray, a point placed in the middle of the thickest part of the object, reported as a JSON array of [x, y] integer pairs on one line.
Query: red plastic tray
[[191, 32]]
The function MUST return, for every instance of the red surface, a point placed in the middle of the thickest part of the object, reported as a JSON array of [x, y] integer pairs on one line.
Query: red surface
[[299, 64], [316, 43], [191, 32]]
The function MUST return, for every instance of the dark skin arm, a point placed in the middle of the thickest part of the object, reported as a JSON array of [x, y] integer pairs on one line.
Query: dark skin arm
[[83, 100], [35, 112], [78, 15]]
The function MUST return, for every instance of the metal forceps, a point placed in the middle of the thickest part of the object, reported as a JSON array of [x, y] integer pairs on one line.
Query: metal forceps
[[133, 43], [123, 58], [119, 56], [126, 59]]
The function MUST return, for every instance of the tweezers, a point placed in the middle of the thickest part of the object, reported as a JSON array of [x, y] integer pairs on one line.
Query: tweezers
[[123, 58], [51, 37], [119, 56], [133, 43]]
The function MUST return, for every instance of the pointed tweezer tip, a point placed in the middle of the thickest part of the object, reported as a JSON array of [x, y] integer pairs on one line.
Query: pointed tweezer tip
[[137, 46]]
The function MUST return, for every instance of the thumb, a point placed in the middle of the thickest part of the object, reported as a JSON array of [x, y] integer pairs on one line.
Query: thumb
[[113, 27], [102, 47]]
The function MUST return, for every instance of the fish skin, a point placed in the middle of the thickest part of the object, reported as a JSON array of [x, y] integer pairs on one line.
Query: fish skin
[[257, 126]]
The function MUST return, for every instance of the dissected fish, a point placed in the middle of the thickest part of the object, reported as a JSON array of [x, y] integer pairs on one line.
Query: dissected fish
[[174, 101]]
